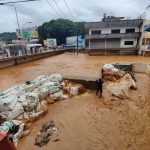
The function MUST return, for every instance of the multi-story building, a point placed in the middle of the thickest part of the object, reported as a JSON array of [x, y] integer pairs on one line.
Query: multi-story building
[[114, 35]]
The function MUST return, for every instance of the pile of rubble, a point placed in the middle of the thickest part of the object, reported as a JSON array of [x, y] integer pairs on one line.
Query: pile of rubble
[[118, 83]]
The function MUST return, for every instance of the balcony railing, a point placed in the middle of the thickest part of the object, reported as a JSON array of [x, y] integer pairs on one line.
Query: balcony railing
[[110, 36]]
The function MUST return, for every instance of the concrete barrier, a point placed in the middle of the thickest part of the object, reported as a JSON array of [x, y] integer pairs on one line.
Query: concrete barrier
[[88, 82], [140, 68], [7, 62]]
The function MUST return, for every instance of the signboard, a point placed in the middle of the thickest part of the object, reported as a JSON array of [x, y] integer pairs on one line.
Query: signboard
[[29, 33], [51, 42], [72, 41], [18, 33], [45, 42]]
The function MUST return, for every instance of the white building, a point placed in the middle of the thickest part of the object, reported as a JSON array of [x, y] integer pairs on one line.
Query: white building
[[114, 35]]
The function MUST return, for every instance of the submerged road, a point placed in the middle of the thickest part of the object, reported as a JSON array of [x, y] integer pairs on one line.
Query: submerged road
[[65, 64], [86, 122]]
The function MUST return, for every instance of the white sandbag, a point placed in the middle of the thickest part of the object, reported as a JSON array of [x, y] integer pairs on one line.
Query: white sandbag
[[57, 96], [29, 101], [55, 78], [108, 67], [52, 87], [7, 102], [41, 79], [17, 111], [42, 92], [74, 90], [30, 87], [16, 90]]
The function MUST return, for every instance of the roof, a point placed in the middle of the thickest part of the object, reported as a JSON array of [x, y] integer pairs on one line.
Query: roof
[[115, 23]]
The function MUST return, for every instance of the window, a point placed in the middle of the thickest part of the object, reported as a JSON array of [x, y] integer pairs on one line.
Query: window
[[128, 42], [114, 31], [130, 30], [96, 32], [147, 41]]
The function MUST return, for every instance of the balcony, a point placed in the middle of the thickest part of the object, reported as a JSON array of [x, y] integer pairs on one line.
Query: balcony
[[113, 36]]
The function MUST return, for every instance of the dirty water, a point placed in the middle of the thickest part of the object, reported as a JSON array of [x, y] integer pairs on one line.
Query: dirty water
[[65, 64], [86, 122]]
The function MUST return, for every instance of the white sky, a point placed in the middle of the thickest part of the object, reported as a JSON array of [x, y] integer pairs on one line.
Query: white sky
[[82, 10]]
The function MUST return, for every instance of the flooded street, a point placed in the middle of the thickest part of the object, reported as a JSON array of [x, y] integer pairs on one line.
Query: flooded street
[[86, 122], [65, 64]]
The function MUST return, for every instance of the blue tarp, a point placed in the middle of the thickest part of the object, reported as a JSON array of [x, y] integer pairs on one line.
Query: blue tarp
[[148, 47], [147, 28]]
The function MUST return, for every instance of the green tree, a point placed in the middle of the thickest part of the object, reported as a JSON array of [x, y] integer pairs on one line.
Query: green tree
[[8, 36], [60, 29]]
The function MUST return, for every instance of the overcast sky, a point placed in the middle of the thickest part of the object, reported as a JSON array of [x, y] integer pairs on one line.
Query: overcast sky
[[82, 10]]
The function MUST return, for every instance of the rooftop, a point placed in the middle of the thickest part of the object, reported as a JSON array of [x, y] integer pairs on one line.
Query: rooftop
[[114, 23]]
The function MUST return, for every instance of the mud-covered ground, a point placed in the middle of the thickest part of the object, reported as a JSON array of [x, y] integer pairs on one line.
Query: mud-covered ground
[[86, 122]]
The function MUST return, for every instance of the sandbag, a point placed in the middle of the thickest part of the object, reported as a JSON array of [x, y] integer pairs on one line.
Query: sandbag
[[16, 90], [52, 87], [57, 96], [29, 101], [17, 111], [30, 87], [42, 92], [7, 102], [55, 78], [74, 90], [41, 80]]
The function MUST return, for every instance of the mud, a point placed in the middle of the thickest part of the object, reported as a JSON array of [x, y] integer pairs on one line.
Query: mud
[[86, 122], [89, 123]]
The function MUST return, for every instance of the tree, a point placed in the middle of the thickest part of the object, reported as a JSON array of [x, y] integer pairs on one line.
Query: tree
[[60, 29], [7, 36]]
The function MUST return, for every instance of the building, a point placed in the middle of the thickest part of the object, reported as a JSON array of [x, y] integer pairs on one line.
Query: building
[[145, 37], [114, 35]]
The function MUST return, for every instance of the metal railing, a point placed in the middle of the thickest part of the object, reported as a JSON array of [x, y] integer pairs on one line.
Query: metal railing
[[110, 36]]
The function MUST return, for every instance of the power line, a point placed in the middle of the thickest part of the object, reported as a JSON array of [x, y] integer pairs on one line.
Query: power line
[[22, 1], [53, 7], [58, 7], [69, 9]]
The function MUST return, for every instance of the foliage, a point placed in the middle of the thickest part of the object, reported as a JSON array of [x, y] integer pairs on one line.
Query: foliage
[[7, 36], [60, 29]]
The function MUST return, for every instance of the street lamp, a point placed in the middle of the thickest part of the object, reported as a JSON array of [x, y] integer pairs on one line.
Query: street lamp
[[26, 24], [15, 13]]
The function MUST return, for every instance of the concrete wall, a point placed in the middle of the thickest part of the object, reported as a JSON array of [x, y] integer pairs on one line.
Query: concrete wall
[[22, 59], [141, 68]]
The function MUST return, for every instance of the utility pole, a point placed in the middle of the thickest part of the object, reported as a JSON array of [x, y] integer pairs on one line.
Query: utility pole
[[77, 45]]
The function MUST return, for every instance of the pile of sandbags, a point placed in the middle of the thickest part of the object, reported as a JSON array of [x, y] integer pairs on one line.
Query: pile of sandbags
[[29, 98]]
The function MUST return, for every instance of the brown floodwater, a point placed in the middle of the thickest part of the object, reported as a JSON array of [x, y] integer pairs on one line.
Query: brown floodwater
[[86, 122], [65, 64]]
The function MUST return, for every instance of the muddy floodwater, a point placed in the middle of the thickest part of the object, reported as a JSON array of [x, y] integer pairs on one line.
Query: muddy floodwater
[[86, 122], [66, 64]]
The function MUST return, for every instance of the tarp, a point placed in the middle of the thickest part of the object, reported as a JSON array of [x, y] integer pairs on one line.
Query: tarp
[[148, 47], [147, 28]]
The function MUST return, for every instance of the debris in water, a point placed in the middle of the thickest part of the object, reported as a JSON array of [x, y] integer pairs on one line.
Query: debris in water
[[43, 137]]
